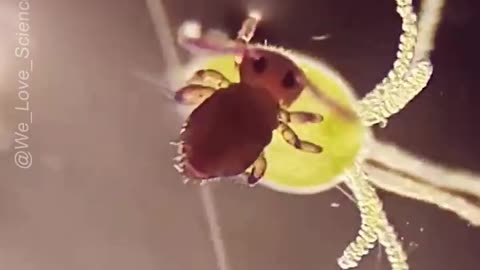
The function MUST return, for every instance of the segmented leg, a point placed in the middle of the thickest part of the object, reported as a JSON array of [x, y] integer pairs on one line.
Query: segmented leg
[[258, 170], [209, 78], [290, 137], [200, 86], [249, 26], [193, 94], [247, 31], [299, 117]]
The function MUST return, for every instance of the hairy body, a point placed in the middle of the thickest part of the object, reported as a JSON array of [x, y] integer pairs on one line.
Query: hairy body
[[226, 134]]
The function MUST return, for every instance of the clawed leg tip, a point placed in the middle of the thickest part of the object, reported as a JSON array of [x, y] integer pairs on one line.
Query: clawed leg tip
[[179, 98], [251, 185], [310, 147], [252, 181], [318, 118], [313, 119], [315, 151]]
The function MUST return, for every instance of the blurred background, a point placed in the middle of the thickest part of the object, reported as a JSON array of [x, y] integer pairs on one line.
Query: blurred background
[[101, 192]]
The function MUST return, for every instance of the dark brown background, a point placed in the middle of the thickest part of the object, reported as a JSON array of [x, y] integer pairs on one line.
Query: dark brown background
[[102, 193]]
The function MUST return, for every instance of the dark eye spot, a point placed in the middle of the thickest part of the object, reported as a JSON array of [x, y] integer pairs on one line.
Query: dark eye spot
[[259, 64], [289, 80]]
